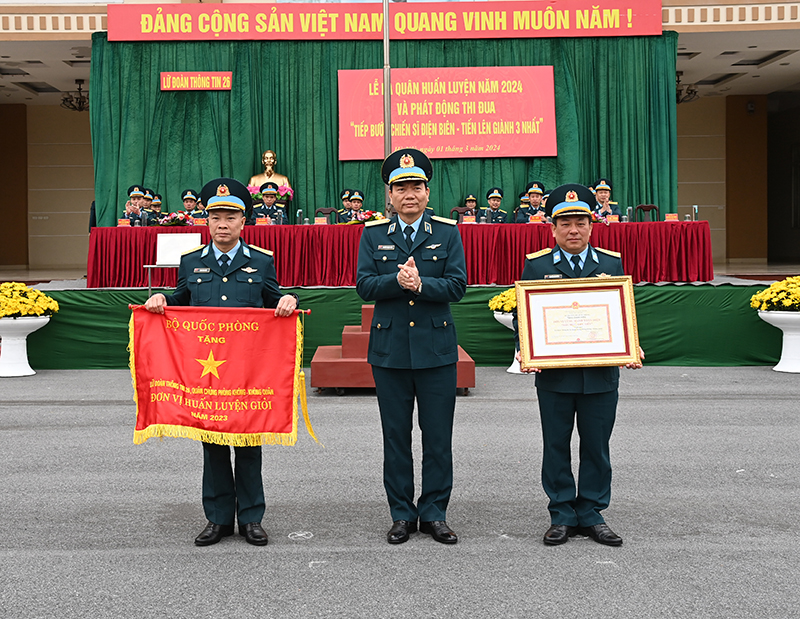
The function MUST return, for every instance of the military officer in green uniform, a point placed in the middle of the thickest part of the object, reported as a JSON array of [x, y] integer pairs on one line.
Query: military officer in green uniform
[[535, 191], [589, 394], [412, 266], [191, 204], [228, 273], [268, 208], [604, 206], [133, 207], [493, 213]]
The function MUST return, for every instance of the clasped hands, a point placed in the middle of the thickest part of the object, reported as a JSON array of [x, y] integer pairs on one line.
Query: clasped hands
[[408, 275], [630, 366]]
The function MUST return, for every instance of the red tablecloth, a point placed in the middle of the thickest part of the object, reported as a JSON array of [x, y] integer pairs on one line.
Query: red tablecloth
[[327, 255]]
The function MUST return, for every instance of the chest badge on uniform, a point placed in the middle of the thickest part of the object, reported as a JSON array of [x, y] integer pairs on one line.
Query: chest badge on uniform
[[553, 276], [385, 247], [249, 269], [434, 246], [202, 270]]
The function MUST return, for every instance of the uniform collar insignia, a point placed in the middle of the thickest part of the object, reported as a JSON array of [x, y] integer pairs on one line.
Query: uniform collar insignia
[[428, 228], [594, 256], [245, 250], [434, 246], [392, 226], [205, 251], [556, 257], [249, 269]]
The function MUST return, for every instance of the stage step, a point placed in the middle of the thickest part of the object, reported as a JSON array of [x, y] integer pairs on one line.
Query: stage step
[[339, 367]]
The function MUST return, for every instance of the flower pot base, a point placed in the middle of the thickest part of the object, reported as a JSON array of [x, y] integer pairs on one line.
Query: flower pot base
[[789, 323]]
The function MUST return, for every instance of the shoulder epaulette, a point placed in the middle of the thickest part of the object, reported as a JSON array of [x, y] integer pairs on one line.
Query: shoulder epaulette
[[261, 249], [501, 210], [193, 250], [536, 254], [444, 220], [609, 252], [612, 202], [341, 210], [377, 222]]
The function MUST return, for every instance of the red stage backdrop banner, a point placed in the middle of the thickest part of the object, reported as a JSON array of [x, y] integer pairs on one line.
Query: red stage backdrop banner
[[418, 20], [197, 80], [217, 375], [450, 112]]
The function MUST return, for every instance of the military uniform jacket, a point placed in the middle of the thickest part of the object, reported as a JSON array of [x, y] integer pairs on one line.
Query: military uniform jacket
[[274, 212], [408, 330], [494, 217], [249, 281], [614, 209], [199, 213], [524, 213], [555, 265]]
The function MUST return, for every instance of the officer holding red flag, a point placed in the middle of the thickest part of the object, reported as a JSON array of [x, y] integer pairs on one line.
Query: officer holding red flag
[[228, 273]]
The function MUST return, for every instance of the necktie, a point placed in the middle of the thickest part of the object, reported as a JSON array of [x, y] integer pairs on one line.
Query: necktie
[[576, 261], [224, 259], [408, 232]]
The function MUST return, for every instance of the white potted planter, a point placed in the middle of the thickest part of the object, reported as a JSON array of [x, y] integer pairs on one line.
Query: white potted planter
[[789, 323], [14, 344]]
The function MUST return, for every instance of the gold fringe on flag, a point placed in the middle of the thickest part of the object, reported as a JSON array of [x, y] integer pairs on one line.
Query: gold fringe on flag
[[300, 380]]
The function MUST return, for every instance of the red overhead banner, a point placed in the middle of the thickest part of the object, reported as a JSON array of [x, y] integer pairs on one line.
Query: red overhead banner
[[417, 20], [217, 375], [450, 112]]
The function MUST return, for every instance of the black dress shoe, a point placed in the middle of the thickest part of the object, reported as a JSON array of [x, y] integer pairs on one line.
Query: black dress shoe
[[213, 533], [439, 530], [602, 534], [559, 534], [253, 533], [400, 530]]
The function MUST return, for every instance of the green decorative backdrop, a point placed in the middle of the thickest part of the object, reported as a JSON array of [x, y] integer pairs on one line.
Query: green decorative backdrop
[[678, 325], [615, 109]]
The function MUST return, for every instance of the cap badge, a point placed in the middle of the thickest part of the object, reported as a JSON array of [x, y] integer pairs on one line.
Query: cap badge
[[223, 190], [571, 197], [406, 161]]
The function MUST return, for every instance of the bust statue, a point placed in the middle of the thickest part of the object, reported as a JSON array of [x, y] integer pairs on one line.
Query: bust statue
[[269, 159]]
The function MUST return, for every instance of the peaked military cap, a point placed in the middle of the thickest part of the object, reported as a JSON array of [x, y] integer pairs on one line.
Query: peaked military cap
[[406, 164], [157, 198], [603, 183], [535, 187], [523, 197], [225, 193], [135, 190], [345, 195], [148, 193], [472, 197], [189, 194], [570, 199], [269, 188], [494, 192], [356, 194]]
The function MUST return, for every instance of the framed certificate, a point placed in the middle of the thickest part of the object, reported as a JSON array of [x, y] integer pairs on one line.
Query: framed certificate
[[580, 322]]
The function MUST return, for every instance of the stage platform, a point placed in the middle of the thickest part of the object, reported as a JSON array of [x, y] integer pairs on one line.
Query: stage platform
[[692, 324]]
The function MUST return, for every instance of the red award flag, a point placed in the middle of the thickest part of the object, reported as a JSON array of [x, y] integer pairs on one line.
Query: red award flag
[[230, 376]]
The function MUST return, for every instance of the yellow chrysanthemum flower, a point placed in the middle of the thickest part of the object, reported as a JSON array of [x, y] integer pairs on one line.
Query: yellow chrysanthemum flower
[[18, 300]]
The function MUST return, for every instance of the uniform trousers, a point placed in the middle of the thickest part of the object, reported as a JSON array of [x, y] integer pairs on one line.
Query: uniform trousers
[[228, 490], [595, 413], [435, 392]]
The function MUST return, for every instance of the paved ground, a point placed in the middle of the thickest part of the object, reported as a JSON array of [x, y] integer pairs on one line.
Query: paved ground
[[705, 487]]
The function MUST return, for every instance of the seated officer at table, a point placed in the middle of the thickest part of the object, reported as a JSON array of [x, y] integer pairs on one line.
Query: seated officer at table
[[268, 208], [228, 273], [471, 202], [493, 213], [133, 207], [192, 205], [158, 203], [604, 206], [356, 200], [149, 214], [344, 196], [520, 213]]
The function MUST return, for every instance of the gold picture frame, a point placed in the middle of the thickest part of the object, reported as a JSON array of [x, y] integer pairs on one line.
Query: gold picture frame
[[577, 322]]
